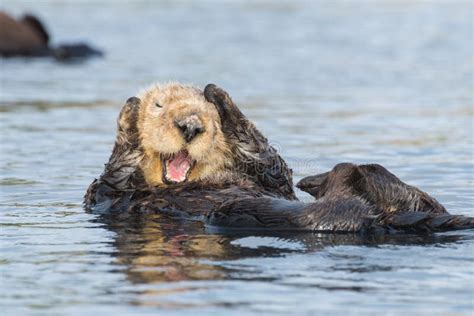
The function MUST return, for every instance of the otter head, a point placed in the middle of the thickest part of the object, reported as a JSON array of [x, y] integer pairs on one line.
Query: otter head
[[181, 136]]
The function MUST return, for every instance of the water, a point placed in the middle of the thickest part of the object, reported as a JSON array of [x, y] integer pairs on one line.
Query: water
[[388, 82]]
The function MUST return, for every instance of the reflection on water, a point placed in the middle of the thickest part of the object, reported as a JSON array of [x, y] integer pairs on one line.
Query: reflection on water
[[154, 250], [387, 82]]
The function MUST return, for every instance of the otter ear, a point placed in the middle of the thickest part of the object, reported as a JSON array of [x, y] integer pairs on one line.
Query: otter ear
[[222, 101], [127, 120]]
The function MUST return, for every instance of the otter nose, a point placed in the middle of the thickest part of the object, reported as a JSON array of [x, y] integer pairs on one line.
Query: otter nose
[[190, 127]]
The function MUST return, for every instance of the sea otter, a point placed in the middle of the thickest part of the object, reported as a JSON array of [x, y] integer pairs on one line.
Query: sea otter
[[27, 37], [191, 153]]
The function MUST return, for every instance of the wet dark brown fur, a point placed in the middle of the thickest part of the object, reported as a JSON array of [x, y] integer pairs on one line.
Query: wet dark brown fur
[[28, 37], [350, 198]]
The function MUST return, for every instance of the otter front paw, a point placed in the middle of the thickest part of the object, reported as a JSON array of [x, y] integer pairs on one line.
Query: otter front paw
[[228, 111], [256, 158], [126, 155], [127, 130]]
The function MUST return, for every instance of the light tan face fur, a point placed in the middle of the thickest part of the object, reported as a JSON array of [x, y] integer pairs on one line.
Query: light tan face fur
[[160, 136]]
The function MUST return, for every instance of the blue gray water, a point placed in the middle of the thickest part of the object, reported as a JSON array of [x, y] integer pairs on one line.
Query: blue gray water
[[387, 81]]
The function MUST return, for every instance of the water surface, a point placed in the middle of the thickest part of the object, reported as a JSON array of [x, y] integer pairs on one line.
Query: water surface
[[327, 82]]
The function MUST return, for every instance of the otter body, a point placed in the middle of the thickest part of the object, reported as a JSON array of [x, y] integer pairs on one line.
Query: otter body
[[27, 37], [193, 154]]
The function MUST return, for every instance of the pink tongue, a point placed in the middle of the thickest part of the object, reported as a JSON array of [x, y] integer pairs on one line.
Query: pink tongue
[[178, 167]]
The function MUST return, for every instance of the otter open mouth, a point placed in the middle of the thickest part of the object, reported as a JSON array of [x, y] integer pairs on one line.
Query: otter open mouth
[[177, 168]]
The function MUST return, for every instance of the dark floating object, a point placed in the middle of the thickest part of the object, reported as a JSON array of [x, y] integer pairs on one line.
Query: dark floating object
[[350, 198], [72, 51], [28, 37]]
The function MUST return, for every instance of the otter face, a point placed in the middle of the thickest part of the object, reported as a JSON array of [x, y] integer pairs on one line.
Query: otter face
[[181, 136]]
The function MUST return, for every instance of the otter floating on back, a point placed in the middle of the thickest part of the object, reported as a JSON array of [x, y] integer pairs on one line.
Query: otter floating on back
[[193, 154], [27, 37]]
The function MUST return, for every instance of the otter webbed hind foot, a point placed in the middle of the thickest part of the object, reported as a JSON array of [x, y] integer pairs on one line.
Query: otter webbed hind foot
[[402, 206], [312, 184], [373, 183]]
